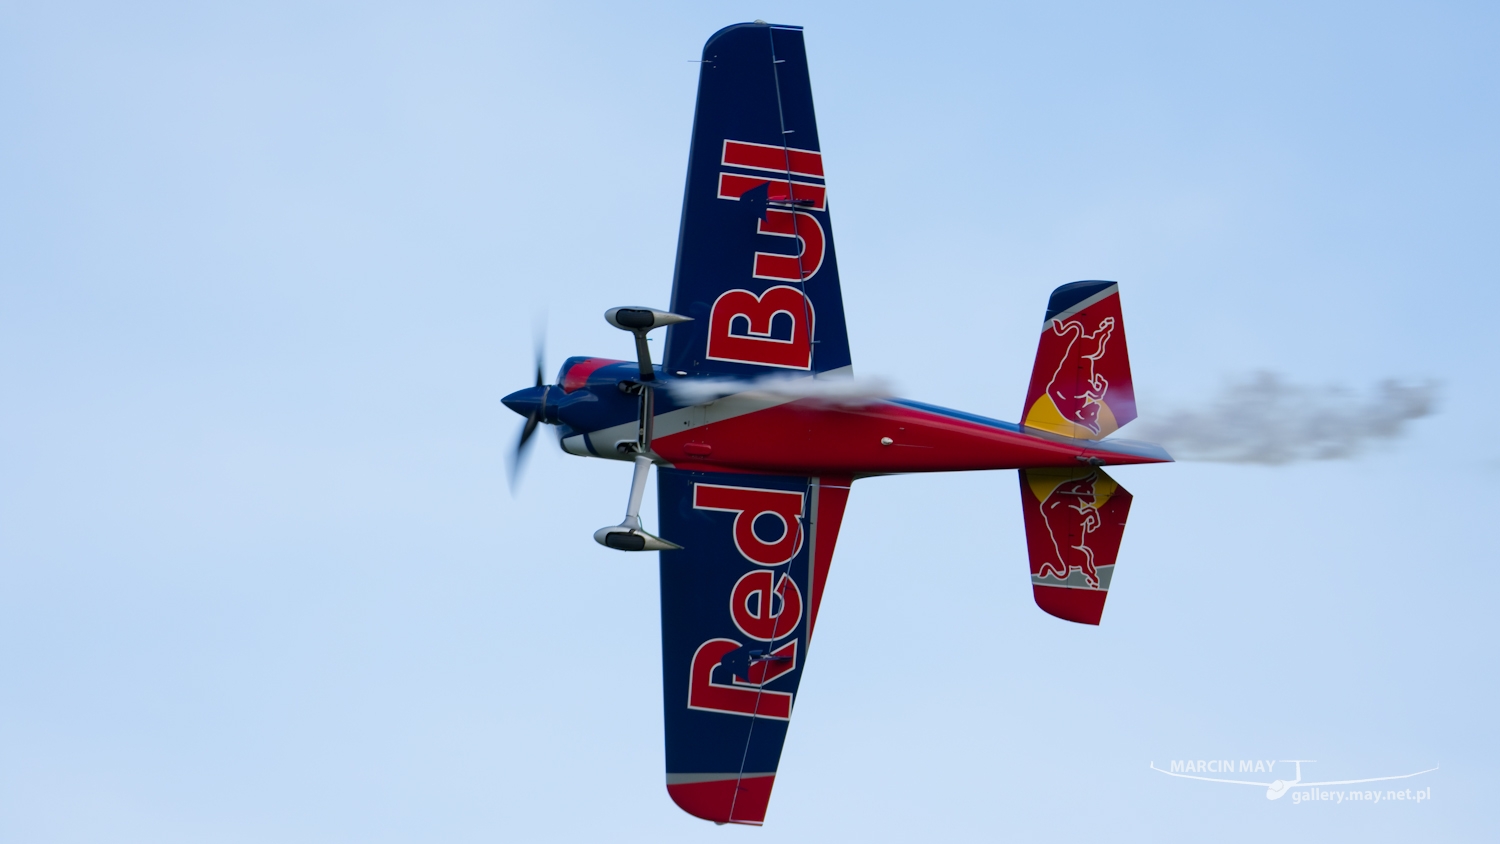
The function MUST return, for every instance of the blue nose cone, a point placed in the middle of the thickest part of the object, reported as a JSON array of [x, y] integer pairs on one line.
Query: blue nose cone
[[527, 401]]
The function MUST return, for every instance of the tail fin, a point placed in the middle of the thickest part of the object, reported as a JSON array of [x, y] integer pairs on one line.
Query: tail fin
[[1080, 384], [1074, 521]]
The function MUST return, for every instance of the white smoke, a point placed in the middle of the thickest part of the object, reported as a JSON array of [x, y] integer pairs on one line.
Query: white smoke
[[836, 391], [1263, 419]]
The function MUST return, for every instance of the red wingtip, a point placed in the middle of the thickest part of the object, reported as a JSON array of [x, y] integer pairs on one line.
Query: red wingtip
[[1080, 605], [725, 801]]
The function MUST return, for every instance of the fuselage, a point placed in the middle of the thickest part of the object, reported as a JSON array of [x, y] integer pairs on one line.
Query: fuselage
[[759, 431]]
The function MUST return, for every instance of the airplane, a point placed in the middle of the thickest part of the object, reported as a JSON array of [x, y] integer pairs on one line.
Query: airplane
[[1276, 789], [758, 428]]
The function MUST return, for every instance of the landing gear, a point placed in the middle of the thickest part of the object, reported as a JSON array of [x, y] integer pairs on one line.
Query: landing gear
[[628, 535]]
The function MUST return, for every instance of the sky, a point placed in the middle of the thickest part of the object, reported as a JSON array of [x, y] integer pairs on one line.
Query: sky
[[266, 271]]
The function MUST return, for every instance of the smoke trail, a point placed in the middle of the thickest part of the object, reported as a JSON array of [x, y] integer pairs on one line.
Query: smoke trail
[[851, 392], [1266, 420]]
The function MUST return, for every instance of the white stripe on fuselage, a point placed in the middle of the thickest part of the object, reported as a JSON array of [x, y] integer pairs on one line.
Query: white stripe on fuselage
[[605, 440]]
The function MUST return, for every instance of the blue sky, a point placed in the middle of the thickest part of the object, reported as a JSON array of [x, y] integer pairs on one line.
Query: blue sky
[[265, 273]]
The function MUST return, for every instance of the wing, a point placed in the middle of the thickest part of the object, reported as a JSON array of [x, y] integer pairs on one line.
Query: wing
[[738, 604], [1370, 779], [1209, 779], [755, 259]]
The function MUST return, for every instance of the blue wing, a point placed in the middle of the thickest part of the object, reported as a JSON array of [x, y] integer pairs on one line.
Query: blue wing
[[738, 604], [755, 257]]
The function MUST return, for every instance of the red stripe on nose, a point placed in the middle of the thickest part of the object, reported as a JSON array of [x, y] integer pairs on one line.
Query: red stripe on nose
[[578, 373]]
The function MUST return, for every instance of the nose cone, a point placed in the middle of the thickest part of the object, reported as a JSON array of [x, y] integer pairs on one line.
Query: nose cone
[[527, 401]]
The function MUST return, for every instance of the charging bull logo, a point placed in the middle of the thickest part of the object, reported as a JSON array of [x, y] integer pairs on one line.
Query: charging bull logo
[[1071, 513], [1077, 389], [1074, 521], [1080, 386]]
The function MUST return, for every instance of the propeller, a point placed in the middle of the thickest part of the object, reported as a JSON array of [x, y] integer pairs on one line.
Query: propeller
[[533, 419]]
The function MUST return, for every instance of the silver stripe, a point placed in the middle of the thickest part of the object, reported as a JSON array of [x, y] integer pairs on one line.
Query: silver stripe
[[812, 548], [1132, 447], [682, 419], [1095, 299], [687, 779], [1076, 579]]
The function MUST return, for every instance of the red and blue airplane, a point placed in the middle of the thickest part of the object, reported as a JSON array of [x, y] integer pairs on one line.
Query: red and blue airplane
[[758, 428]]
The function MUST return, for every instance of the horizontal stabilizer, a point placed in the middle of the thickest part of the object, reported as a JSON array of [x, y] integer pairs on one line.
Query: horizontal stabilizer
[[1074, 521]]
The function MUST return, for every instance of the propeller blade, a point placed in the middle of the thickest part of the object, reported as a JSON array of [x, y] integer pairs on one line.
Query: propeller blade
[[519, 455], [531, 422], [539, 345]]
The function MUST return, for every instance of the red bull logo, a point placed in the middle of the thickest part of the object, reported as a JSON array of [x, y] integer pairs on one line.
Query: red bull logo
[[1075, 394], [765, 605], [754, 339], [1071, 513], [1075, 519], [1080, 385], [776, 327]]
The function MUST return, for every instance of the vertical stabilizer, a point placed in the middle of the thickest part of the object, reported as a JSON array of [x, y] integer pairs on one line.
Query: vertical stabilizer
[[1080, 383]]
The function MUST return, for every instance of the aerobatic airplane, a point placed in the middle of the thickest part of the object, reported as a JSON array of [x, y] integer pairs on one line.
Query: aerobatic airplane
[[758, 435]]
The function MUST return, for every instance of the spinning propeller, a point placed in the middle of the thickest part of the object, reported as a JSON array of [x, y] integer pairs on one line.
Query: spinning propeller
[[534, 417], [540, 404]]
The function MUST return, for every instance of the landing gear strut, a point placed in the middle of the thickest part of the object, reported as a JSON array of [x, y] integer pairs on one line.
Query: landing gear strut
[[628, 535]]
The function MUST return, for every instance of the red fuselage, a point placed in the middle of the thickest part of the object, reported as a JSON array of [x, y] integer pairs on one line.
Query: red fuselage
[[816, 437]]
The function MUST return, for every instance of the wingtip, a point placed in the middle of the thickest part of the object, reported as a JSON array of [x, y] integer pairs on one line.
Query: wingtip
[[737, 801], [1080, 606]]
